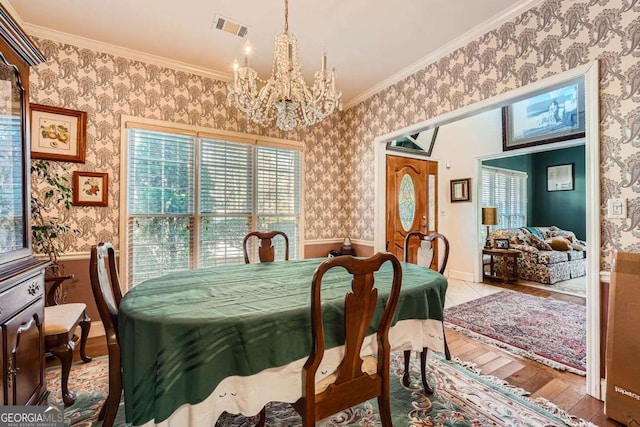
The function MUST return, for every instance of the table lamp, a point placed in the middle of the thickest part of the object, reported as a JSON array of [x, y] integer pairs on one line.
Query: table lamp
[[489, 217]]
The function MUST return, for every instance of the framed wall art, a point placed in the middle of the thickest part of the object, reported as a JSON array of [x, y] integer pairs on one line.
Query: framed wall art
[[560, 177], [90, 188], [461, 190], [552, 116], [420, 143], [58, 133]]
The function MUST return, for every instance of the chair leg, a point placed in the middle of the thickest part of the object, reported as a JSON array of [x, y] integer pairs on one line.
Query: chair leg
[[385, 411], [263, 417], [406, 379], [423, 370], [65, 354], [103, 410], [447, 353], [85, 326]]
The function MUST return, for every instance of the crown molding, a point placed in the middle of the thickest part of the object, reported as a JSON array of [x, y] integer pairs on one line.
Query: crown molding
[[471, 35], [62, 37]]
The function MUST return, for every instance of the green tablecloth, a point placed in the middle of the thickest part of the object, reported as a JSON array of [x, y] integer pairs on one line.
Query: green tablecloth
[[182, 333]]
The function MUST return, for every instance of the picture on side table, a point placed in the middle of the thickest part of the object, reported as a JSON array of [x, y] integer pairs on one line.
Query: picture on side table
[[501, 243]]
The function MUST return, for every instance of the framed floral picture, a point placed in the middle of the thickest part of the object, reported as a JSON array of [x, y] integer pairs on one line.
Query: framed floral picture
[[90, 188], [58, 133]]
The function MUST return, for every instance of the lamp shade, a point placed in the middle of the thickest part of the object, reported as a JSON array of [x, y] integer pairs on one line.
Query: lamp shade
[[490, 215]]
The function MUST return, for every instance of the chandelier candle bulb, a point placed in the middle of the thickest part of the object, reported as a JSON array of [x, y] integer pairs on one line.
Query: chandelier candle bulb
[[324, 62], [333, 82]]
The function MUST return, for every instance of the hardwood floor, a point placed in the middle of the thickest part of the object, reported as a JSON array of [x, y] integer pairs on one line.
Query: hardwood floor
[[565, 389]]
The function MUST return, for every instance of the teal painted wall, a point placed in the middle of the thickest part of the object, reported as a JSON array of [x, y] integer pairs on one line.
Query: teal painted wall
[[564, 209]]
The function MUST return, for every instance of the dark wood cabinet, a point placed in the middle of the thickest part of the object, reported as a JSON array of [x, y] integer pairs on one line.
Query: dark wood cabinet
[[21, 276]]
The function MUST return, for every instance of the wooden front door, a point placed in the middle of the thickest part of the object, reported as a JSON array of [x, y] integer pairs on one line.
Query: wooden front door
[[411, 200]]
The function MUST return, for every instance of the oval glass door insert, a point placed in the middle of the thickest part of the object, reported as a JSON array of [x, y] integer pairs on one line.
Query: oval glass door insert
[[407, 202]]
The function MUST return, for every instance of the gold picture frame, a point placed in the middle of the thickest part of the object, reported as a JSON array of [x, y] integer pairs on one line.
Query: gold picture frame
[[90, 188], [58, 133], [461, 190]]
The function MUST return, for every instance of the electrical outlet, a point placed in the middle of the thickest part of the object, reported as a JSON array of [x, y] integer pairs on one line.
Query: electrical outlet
[[616, 208]]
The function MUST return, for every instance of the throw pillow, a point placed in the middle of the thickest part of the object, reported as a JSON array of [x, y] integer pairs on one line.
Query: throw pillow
[[577, 247], [559, 244], [538, 243], [535, 232]]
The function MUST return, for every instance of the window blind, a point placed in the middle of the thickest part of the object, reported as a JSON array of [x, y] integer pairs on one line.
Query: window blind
[[160, 202], [279, 194], [191, 200], [226, 200], [507, 190]]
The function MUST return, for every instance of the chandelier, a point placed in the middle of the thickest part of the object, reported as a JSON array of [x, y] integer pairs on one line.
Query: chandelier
[[285, 97]]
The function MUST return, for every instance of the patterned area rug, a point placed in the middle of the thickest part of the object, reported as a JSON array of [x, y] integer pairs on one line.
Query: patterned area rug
[[463, 398], [549, 331]]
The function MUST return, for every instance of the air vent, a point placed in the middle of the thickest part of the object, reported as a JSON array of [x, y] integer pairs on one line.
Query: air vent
[[229, 26]]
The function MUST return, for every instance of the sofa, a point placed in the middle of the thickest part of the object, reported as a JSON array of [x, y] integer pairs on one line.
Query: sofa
[[549, 254]]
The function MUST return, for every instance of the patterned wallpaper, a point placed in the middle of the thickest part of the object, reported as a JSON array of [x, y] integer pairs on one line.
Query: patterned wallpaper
[[107, 86], [553, 37]]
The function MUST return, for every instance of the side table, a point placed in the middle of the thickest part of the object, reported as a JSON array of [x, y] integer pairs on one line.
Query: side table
[[506, 254]]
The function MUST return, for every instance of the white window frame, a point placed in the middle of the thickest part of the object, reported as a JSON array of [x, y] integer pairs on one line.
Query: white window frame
[[200, 132], [506, 216]]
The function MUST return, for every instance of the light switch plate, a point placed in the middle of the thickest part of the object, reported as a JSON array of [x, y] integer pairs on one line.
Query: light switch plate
[[616, 208]]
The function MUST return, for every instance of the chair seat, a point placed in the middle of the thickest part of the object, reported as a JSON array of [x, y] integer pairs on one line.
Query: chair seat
[[63, 318], [369, 366]]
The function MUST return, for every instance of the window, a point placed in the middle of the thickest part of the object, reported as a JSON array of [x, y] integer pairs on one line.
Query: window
[[506, 189], [191, 199]]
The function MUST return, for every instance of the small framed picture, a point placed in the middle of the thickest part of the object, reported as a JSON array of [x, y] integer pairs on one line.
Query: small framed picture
[[58, 133], [501, 243], [460, 190], [90, 188], [560, 177]]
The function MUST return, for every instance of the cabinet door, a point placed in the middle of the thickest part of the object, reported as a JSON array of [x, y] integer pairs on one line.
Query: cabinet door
[[24, 356]]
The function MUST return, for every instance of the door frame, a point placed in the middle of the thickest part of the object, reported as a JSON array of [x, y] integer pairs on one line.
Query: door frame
[[592, 167]]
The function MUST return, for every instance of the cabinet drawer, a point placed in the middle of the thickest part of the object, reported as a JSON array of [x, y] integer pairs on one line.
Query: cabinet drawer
[[24, 293]]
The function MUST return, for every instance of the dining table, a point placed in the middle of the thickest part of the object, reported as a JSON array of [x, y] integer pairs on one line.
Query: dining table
[[232, 338]]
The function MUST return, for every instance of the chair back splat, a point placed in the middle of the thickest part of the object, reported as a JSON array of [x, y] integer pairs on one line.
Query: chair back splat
[[356, 379], [266, 251], [105, 284], [427, 250]]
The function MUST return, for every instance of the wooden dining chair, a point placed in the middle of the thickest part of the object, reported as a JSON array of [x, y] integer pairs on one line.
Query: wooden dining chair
[[60, 323], [266, 251], [425, 255], [356, 379], [105, 284]]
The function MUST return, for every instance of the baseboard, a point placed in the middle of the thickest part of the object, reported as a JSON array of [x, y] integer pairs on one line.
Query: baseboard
[[460, 275]]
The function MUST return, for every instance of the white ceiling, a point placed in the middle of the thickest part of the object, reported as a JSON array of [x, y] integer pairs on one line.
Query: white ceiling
[[371, 43]]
